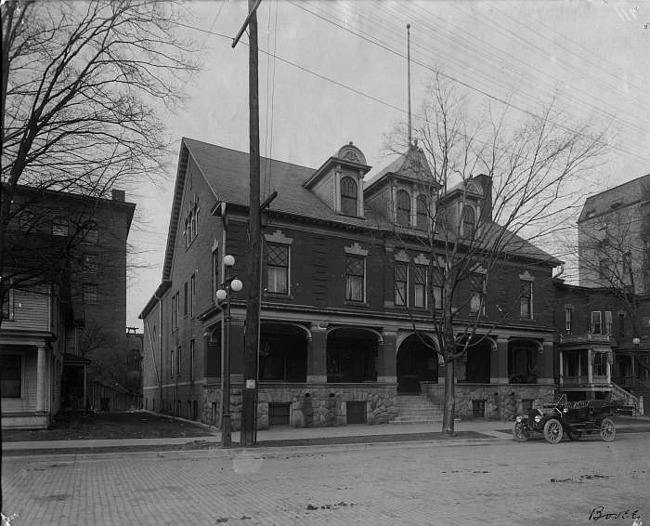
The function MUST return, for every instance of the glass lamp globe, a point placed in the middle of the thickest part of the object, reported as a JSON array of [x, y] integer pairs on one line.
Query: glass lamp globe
[[221, 295], [236, 285], [229, 260]]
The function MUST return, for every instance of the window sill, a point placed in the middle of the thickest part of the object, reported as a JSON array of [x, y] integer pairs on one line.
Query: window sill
[[352, 303]]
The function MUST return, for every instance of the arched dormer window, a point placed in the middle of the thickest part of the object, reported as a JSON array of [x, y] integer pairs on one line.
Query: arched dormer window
[[422, 214], [469, 221], [349, 195], [403, 208]]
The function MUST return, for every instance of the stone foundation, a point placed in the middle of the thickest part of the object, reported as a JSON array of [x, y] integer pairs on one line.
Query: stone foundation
[[502, 401], [310, 405]]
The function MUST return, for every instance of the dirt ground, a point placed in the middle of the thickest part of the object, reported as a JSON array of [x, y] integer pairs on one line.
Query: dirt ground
[[111, 425]]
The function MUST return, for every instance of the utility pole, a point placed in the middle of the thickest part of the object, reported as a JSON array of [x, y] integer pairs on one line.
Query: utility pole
[[251, 337]]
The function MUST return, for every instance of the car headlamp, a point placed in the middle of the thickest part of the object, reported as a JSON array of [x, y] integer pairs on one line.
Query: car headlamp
[[538, 418]]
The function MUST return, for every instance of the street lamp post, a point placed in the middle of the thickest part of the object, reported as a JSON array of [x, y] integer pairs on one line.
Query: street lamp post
[[229, 285]]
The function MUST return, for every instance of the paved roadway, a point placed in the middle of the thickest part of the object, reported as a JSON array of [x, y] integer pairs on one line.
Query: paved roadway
[[443, 482]]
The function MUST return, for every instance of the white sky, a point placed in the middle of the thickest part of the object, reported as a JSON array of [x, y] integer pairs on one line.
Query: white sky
[[340, 76]]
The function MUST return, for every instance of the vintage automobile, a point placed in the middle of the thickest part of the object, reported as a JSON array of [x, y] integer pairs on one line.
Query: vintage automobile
[[554, 419]]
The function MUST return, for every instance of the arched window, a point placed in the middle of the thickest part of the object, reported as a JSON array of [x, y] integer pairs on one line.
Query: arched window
[[403, 208], [469, 221], [422, 214], [349, 196]]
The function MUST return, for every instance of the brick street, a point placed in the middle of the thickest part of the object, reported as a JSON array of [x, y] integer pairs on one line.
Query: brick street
[[494, 482]]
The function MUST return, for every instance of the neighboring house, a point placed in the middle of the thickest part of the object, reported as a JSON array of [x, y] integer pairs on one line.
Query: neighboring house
[[614, 238], [65, 309], [345, 331], [599, 344]]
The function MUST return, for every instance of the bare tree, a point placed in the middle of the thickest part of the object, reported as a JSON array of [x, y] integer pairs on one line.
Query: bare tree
[[495, 184], [83, 85]]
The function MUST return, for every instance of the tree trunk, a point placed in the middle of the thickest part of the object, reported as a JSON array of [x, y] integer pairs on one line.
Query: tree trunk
[[450, 398]]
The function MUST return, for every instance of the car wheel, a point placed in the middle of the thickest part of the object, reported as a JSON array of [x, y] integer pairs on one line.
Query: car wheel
[[607, 429], [553, 431], [519, 432]]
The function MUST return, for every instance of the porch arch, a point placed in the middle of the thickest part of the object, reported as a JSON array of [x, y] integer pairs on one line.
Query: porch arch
[[416, 361], [524, 364], [283, 352], [352, 354]]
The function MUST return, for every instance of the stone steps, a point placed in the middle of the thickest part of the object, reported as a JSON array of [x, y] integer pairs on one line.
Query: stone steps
[[416, 409]]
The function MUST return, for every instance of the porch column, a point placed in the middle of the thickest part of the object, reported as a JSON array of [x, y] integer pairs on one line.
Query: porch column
[[41, 379], [547, 362], [317, 355], [499, 362], [387, 358], [590, 366], [561, 364]]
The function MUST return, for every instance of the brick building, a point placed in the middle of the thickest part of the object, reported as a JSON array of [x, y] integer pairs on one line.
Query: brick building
[[345, 331], [65, 306]]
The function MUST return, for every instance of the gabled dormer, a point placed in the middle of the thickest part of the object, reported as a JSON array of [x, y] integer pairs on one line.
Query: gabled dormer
[[405, 191], [339, 181]]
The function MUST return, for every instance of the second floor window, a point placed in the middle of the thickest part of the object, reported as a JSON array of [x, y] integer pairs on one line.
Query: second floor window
[[526, 299], [403, 208], [8, 304], [60, 227], [422, 213], [608, 322], [277, 264], [621, 324], [420, 286], [477, 300], [596, 322], [355, 277], [401, 282], [90, 293], [172, 364], [469, 221], [568, 318], [349, 195]]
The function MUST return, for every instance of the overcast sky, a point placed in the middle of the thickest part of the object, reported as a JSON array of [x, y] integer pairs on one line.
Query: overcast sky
[[339, 75]]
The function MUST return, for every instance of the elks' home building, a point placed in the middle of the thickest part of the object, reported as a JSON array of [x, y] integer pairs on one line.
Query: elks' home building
[[342, 298]]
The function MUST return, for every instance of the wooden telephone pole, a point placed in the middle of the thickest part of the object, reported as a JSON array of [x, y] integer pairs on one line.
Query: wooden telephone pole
[[251, 335]]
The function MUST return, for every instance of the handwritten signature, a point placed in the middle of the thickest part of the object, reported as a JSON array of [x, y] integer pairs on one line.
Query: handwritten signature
[[599, 513]]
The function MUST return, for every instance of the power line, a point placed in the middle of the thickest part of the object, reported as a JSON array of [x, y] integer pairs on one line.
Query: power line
[[450, 77]]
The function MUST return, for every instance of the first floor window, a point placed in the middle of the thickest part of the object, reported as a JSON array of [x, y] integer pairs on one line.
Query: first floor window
[[355, 267], [171, 363], [401, 282], [277, 264], [179, 359], [10, 376], [420, 286], [600, 364]]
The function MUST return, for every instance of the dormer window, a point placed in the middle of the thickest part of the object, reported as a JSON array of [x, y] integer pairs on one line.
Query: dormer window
[[469, 221], [403, 208], [349, 196]]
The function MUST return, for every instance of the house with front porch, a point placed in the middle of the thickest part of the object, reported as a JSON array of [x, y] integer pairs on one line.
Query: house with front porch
[[345, 334], [599, 339]]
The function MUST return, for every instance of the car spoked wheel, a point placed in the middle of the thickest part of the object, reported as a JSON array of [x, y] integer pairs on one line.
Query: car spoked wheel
[[553, 431], [607, 429], [519, 432]]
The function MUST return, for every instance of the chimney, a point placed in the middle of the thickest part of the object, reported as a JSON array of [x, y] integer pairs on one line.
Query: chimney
[[118, 195]]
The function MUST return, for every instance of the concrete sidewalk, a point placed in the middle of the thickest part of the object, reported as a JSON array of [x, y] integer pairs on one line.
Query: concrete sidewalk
[[479, 430]]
